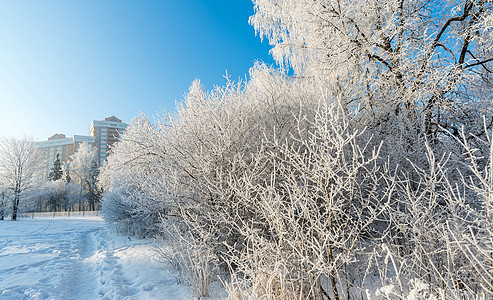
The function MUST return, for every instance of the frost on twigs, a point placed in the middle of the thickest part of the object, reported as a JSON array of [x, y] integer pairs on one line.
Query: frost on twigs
[[282, 194]]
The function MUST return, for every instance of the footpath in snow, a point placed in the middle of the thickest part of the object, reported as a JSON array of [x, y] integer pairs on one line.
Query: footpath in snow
[[79, 258]]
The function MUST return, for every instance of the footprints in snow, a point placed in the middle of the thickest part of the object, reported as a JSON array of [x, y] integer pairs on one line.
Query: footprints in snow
[[113, 283]]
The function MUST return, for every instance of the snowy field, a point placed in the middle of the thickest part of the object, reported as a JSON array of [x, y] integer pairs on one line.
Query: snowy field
[[78, 258]]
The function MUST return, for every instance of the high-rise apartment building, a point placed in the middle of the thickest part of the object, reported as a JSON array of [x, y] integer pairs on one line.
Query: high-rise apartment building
[[62, 145], [103, 134], [106, 133]]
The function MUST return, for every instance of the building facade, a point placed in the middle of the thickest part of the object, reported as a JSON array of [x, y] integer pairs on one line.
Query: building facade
[[103, 134], [64, 146], [106, 133]]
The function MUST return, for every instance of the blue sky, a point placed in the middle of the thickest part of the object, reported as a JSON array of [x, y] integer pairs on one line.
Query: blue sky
[[64, 63]]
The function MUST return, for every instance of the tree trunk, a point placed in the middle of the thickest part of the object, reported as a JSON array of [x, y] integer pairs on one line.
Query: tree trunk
[[15, 206], [2, 209]]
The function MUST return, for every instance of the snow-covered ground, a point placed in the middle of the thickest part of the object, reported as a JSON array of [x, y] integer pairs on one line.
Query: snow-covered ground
[[79, 258]]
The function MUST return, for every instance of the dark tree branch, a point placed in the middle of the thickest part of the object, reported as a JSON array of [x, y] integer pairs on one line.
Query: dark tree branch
[[480, 63], [467, 9]]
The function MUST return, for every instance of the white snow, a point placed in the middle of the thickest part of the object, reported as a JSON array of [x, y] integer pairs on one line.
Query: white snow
[[79, 258]]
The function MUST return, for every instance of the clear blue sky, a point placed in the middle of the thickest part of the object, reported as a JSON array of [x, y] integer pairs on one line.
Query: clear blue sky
[[64, 63]]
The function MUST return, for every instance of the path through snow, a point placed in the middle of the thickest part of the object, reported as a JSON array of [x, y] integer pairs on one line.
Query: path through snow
[[78, 258]]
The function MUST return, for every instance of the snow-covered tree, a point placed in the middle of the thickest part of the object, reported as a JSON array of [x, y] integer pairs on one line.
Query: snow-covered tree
[[83, 170], [423, 63], [66, 172], [56, 170], [20, 168], [61, 195]]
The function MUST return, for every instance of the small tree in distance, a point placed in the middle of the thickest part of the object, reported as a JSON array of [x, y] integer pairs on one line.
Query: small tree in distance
[[56, 171], [83, 171], [66, 172]]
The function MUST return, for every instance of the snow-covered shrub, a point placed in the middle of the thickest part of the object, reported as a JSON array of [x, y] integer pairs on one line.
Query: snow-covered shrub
[[206, 138], [440, 229], [275, 181], [182, 168], [248, 167], [117, 208], [193, 260], [132, 199], [313, 197]]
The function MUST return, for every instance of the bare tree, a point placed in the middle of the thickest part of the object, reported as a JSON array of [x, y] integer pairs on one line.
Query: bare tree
[[20, 167]]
